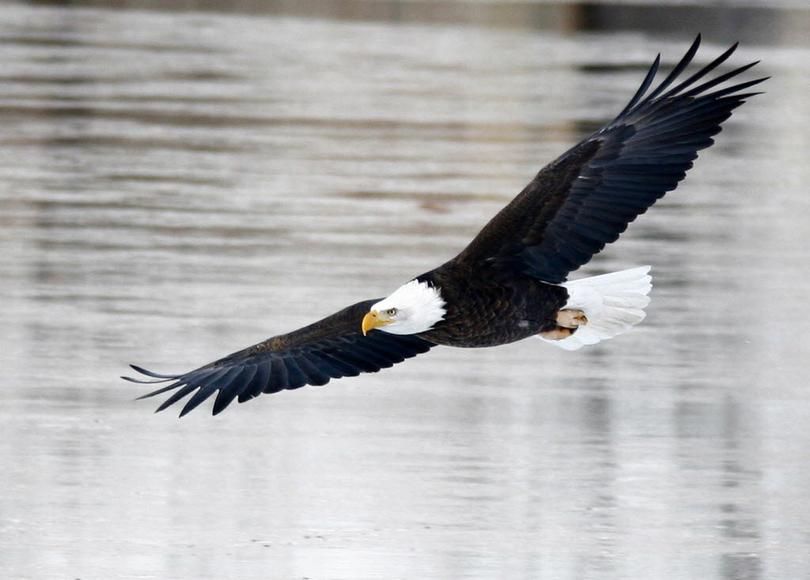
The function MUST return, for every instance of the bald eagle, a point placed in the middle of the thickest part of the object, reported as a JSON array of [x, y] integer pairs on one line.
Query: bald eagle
[[510, 282]]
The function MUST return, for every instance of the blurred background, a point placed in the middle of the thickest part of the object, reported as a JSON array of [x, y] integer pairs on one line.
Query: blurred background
[[180, 179]]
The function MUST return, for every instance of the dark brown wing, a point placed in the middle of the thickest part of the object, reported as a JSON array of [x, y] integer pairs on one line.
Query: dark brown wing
[[585, 199], [329, 349]]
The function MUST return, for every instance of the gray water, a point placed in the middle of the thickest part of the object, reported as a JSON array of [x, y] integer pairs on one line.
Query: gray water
[[177, 184]]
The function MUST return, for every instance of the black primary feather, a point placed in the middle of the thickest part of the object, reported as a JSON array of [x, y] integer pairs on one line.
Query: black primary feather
[[587, 197], [328, 349]]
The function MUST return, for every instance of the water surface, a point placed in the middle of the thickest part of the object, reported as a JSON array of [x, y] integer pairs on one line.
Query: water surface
[[177, 184]]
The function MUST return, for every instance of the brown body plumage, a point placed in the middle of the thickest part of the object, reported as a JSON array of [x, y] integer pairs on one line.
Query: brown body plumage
[[493, 309]]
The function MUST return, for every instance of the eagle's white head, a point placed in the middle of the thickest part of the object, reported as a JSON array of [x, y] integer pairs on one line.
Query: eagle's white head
[[412, 308]]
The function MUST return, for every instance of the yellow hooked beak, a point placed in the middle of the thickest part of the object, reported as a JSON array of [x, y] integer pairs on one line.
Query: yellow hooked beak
[[374, 319]]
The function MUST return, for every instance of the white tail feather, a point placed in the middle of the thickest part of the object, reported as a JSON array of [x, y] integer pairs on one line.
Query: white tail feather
[[613, 303]]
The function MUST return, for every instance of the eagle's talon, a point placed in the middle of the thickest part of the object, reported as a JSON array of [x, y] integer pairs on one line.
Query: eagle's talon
[[571, 318]]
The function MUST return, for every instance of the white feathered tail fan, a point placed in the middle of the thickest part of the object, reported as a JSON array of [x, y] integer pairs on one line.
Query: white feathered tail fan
[[613, 303]]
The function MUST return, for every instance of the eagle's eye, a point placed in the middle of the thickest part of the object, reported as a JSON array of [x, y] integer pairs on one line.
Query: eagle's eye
[[391, 312]]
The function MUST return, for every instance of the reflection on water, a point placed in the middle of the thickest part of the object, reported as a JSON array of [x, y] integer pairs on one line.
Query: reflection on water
[[177, 184]]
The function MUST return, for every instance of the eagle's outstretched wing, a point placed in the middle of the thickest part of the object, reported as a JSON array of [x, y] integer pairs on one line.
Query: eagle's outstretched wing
[[585, 199], [328, 349]]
